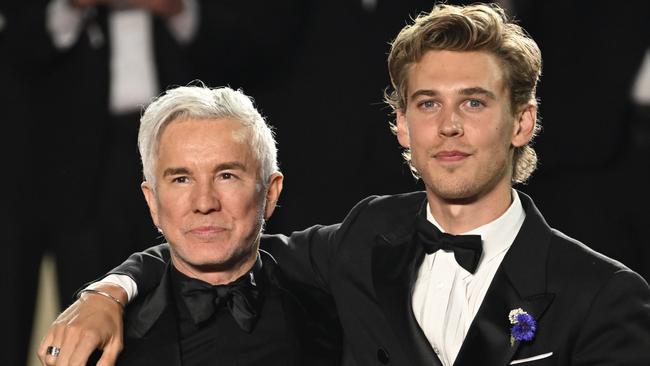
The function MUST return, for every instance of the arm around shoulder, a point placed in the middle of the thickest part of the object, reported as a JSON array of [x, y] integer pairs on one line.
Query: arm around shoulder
[[307, 256], [145, 268]]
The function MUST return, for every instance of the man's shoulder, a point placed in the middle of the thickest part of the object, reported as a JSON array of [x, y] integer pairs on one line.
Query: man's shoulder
[[393, 207], [574, 261], [396, 200], [569, 262], [567, 256]]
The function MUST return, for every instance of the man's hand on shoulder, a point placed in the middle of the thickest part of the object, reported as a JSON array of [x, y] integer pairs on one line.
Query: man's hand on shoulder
[[92, 322]]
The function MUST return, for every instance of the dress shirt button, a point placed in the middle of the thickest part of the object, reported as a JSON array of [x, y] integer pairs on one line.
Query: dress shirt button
[[382, 356], [436, 350]]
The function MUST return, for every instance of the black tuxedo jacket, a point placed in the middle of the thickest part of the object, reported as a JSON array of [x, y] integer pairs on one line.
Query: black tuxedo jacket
[[279, 337], [590, 310]]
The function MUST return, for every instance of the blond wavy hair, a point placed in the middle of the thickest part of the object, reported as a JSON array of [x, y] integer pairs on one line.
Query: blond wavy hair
[[477, 27]]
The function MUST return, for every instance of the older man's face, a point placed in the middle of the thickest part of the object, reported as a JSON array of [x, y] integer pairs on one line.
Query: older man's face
[[209, 201]]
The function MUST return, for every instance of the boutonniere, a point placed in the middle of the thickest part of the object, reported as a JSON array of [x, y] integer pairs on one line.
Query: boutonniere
[[523, 326]]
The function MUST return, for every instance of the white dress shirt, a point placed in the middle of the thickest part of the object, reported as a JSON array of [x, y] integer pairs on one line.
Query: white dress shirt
[[446, 297]]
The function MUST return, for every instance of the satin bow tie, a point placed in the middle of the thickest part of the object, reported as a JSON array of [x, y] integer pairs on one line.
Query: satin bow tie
[[240, 297], [467, 248]]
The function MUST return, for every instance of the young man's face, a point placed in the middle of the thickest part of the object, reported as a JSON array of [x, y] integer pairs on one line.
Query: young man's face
[[459, 125], [209, 201]]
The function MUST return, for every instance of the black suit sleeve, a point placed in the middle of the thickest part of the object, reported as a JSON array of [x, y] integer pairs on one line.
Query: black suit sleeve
[[617, 327], [308, 256], [145, 268], [304, 257]]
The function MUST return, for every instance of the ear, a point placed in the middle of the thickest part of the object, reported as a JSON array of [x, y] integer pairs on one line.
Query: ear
[[524, 126], [273, 193], [402, 130], [150, 197]]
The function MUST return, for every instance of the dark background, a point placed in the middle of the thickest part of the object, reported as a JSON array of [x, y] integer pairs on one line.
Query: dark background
[[317, 70]]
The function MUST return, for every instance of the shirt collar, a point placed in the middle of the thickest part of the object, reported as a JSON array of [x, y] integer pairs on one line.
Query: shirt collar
[[499, 234]]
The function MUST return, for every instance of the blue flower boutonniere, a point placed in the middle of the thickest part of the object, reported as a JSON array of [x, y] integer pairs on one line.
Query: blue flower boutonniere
[[523, 326]]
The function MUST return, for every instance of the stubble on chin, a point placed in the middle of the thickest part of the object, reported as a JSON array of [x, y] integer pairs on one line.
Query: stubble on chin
[[448, 184], [458, 187], [452, 190]]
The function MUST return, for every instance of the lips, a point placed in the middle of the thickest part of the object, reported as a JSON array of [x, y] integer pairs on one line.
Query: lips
[[206, 230], [451, 155]]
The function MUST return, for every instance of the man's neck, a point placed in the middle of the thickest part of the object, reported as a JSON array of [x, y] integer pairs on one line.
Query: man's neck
[[460, 216], [216, 275]]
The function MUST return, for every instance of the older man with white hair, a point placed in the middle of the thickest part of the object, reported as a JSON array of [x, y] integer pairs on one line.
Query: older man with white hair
[[211, 179]]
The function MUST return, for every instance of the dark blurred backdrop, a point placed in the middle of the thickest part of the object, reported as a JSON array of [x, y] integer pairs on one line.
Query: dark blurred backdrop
[[317, 70]]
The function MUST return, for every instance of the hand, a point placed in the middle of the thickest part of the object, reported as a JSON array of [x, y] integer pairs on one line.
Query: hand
[[92, 322], [163, 8], [82, 4]]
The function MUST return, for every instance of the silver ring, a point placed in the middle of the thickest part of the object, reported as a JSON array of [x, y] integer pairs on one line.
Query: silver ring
[[53, 351]]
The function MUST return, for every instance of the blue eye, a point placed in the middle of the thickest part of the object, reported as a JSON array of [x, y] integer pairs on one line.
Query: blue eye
[[475, 103], [426, 104]]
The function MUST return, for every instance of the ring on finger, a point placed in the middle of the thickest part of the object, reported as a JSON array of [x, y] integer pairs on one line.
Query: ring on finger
[[53, 351]]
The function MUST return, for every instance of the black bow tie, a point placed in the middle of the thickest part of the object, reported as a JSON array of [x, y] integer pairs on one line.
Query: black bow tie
[[241, 297], [467, 248]]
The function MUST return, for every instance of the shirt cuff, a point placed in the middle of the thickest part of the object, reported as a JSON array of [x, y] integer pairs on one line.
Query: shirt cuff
[[123, 281]]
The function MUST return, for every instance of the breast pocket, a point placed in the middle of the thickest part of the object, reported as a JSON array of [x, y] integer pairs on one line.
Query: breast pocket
[[543, 359]]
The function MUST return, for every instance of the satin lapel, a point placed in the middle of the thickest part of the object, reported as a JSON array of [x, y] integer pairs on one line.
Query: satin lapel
[[394, 264], [145, 311], [160, 346], [151, 331], [520, 282]]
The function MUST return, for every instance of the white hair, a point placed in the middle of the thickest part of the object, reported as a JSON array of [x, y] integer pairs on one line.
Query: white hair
[[200, 102]]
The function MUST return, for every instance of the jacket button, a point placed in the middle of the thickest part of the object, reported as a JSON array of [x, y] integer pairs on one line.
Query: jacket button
[[382, 356]]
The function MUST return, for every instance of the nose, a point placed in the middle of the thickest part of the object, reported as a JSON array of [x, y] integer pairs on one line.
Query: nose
[[451, 125], [205, 198]]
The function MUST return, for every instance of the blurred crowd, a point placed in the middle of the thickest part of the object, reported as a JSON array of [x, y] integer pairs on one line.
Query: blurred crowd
[[75, 74]]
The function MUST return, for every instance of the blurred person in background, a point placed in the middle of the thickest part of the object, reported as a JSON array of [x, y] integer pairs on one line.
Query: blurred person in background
[[595, 136]]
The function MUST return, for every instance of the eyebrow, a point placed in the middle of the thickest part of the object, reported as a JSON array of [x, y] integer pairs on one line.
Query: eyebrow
[[424, 92], [175, 171], [477, 90], [230, 165]]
